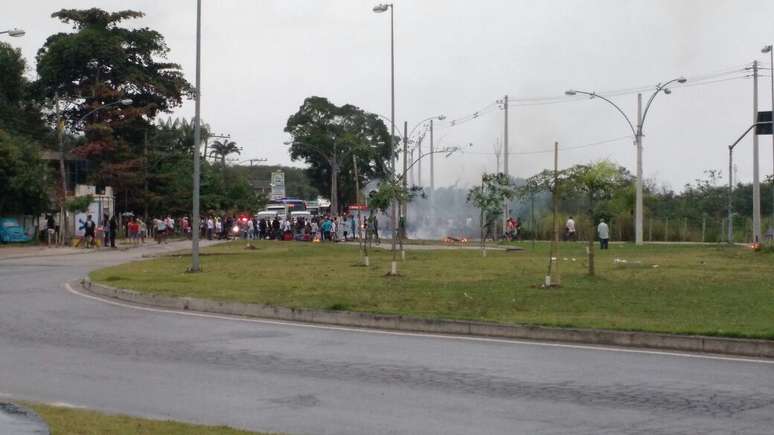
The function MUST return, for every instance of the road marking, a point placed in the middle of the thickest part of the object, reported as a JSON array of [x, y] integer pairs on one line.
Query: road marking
[[413, 334]]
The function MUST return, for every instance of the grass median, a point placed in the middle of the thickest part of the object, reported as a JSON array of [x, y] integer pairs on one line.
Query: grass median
[[708, 290], [69, 421]]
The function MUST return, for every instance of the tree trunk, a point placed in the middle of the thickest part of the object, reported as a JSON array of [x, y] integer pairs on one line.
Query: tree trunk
[[145, 179], [334, 186], [483, 235]]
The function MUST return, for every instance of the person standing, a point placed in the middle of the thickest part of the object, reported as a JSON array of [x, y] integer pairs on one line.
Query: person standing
[[112, 230], [50, 229], [604, 234], [143, 230], [326, 228], [133, 228], [105, 230], [570, 226], [89, 229], [210, 227]]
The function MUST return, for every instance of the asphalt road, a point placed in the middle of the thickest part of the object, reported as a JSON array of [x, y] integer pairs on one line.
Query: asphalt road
[[57, 346]]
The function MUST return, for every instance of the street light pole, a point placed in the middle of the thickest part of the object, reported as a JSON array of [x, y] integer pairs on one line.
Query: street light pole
[[756, 172], [384, 7], [637, 132], [769, 49], [638, 206], [61, 145], [731, 176], [195, 218]]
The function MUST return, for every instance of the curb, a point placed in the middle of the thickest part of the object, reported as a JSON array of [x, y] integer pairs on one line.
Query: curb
[[687, 343]]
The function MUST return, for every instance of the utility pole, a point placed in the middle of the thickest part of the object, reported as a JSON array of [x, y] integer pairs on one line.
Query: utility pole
[[507, 202], [195, 225], [419, 163], [498, 150], [403, 218], [756, 180], [553, 279], [432, 166], [638, 207]]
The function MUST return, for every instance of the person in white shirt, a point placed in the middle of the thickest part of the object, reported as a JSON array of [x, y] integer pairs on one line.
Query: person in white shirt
[[570, 227], [210, 227], [604, 234], [250, 229]]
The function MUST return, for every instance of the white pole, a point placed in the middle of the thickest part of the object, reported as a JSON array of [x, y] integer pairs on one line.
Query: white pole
[[756, 180], [638, 207], [195, 266], [771, 74], [506, 205]]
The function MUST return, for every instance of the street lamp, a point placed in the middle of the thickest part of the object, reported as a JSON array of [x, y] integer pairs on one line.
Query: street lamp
[[15, 33], [62, 170], [195, 218], [384, 7], [768, 49], [637, 132]]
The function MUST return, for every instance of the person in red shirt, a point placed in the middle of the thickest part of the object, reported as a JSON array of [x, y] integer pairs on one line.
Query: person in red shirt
[[134, 231]]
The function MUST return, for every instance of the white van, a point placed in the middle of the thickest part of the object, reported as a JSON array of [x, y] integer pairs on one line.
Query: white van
[[269, 215]]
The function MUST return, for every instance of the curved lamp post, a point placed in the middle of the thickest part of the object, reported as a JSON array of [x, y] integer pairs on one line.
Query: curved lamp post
[[62, 171], [768, 49], [384, 7], [637, 132]]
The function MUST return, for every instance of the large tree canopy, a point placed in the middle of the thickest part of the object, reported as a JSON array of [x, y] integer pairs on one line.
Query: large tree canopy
[[18, 112], [327, 137], [23, 187], [101, 63]]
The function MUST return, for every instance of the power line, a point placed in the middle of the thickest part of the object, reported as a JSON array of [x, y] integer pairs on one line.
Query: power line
[[546, 151], [695, 80]]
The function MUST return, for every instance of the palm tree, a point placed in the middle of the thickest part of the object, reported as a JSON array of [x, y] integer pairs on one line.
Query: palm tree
[[224, 148]]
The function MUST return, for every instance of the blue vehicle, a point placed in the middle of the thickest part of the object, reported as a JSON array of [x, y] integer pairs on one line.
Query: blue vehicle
[[12, 232]]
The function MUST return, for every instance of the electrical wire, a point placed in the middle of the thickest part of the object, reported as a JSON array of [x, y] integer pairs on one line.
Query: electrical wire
[[693, 80], [526, 153]]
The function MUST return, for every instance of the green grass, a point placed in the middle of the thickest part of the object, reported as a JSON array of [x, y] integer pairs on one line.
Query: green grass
[[68, 421], [710, 290]]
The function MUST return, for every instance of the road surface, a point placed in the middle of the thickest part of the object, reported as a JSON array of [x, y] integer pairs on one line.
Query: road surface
[[58, 346]]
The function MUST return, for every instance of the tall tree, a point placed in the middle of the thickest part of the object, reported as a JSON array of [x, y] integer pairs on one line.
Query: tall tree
[[19, 113], [224, 148], [99, 63], [489, 198], [597, 182], [327, 137], [23, 187]]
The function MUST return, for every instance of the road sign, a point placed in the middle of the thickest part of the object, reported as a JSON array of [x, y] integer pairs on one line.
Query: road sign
[[764, 129]]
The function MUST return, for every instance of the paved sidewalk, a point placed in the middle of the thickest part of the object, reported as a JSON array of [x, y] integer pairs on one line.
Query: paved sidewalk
[[39, 251], [20, 421]]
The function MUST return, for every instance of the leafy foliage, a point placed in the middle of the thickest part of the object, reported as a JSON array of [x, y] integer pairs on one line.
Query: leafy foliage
[[327, 137], [23, 187], [99, 64], [78, 204]]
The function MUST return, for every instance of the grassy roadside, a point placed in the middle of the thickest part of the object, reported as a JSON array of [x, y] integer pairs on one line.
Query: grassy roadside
[[710, 290], [68, 421]]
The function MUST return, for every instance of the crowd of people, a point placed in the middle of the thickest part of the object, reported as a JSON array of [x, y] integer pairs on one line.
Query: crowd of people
[[301, 228]]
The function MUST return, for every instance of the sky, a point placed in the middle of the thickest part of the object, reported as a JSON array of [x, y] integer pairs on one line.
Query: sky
[[261, 58]]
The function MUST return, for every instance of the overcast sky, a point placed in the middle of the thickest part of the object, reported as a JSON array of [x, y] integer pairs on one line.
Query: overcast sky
[[261, 58]]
